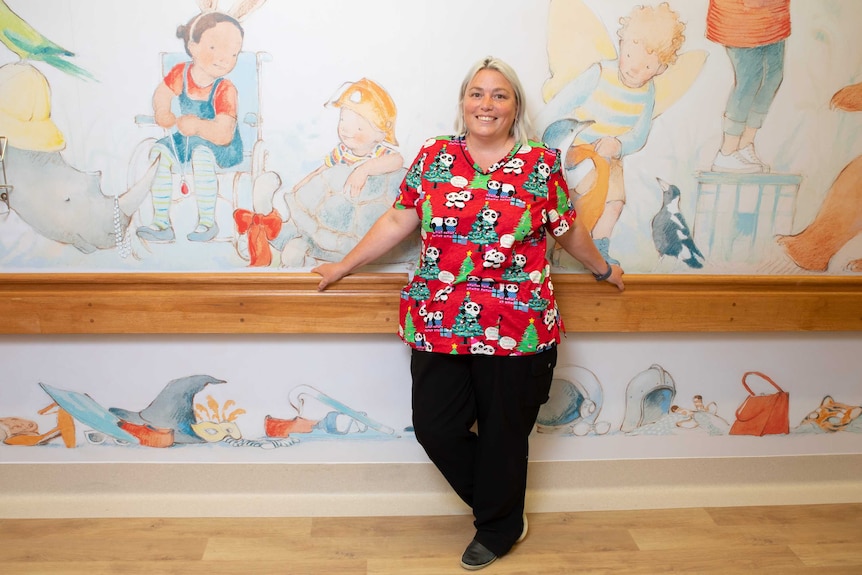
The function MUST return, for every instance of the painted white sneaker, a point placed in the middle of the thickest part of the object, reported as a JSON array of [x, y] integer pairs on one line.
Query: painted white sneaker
[[734, 162], [748, 154]]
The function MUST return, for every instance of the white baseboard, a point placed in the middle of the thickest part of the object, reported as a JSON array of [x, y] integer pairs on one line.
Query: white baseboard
[[307, 490]]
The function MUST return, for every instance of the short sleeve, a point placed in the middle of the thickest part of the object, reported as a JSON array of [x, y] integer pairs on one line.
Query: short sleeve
[[561, 209], [174, 78], [225, 99], [411, 185]]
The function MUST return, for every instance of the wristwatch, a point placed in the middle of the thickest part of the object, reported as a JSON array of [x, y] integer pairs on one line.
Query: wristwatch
[[606, 275]]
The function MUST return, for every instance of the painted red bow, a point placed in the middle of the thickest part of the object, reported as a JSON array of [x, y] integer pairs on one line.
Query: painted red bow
[[260, 228]]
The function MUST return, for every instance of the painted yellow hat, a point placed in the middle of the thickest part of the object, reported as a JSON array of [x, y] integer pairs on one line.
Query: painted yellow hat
[[25, 109], [373, 103]]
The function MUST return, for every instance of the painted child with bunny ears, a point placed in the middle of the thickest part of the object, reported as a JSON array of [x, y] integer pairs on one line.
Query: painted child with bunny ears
[[206, 132]]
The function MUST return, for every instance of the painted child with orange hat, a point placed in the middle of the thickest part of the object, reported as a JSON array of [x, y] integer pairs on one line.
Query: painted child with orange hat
[[366, 134]]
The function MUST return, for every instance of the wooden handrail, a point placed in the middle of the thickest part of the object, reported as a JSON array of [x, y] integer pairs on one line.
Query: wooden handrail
[[265, 303]]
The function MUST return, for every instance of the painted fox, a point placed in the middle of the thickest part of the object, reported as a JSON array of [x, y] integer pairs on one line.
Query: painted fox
[[839, 219], [833, 416]]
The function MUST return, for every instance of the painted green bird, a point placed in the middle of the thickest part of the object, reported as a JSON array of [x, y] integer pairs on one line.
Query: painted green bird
[[29, 44]]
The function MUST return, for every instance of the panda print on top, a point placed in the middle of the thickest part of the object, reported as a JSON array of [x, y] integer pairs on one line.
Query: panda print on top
[[483, 232], [484, 251], [515, 271], [429, 268], [514, 166], [493, 259]]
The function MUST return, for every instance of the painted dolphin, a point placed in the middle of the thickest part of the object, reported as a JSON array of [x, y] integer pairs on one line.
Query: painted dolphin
[[562, 133]]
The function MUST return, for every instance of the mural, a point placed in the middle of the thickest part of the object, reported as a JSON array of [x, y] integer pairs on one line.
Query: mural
[[185, 136], [613, 94], [174, 418], [839, 219], [200, 413], [699, 136], [335, 204]]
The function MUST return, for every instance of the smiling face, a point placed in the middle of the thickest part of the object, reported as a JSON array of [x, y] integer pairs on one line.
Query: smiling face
[[637, 65], [357, 133], [216, 53], [489, 106]]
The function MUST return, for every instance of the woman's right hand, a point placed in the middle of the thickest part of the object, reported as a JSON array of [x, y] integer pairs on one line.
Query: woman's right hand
[[329, 273], [392, 227]]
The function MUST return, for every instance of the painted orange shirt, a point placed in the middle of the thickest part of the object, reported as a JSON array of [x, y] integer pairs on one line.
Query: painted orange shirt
[[224, 100], [748, 23]]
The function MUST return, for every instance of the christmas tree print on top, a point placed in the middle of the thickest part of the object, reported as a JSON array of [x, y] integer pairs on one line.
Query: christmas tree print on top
[[438, 171], [515, 272], [557, 164], [525, 226], [530, 340], [419, 291], [564, 203], [467, 267], [467, 321], [414, 176], [537, 302], [427, 214], [483, 232], [537, 183], [409, 328], [480, 181], [429, 269]]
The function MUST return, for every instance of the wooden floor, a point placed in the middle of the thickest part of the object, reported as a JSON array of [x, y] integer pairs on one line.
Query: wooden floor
[[762, 540]]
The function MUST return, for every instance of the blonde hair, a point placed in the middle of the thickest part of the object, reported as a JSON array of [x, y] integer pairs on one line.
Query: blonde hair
[[659, 28], [521, 128]]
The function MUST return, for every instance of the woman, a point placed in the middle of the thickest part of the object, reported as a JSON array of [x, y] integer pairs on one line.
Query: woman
[[479, 313]]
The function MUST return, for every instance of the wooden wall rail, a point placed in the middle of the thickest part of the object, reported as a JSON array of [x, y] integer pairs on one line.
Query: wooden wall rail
[[194, 303]]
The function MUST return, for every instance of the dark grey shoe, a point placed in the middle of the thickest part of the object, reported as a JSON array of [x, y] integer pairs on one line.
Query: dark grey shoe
[[476, 556]]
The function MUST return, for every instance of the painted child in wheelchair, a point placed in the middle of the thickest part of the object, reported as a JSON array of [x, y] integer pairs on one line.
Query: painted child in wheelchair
[[206, 134]]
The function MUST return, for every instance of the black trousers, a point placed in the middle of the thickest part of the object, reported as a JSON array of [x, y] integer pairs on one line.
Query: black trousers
[[488, 468]]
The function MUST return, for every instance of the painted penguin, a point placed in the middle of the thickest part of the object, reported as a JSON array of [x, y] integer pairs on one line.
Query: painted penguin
[[670, 233]]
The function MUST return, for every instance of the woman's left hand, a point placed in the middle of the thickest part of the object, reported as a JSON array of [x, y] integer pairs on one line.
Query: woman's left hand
[[617, 277]]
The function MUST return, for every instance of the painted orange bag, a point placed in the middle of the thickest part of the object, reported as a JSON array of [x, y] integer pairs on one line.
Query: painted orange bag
[[762, 414]]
